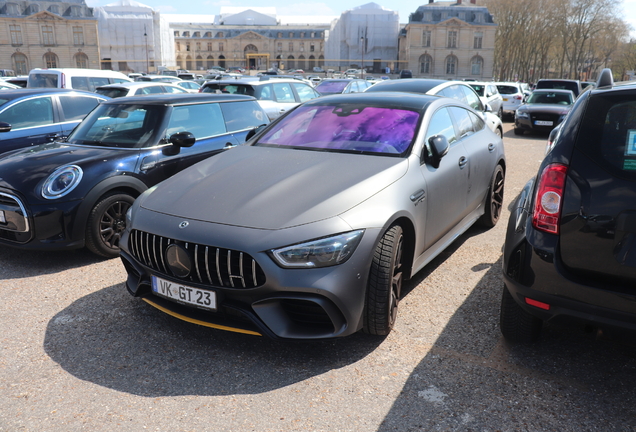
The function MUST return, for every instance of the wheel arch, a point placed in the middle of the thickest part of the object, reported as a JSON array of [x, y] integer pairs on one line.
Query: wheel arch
[[408, 248], [120, 183]]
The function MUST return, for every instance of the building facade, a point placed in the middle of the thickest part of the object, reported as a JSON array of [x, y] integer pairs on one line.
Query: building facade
[[364, 37], [47, 35], [449, 40], [249, 38]]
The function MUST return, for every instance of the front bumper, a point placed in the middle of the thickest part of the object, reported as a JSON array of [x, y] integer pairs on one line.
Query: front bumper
[[49, 226], [280, 303]]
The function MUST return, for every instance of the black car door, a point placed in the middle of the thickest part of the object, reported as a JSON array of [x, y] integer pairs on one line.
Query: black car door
[[33, 121]]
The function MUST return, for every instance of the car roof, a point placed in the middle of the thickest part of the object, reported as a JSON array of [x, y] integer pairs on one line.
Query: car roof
[[549, 90], [265, 79], [24, 92], [389, 99], [413, 85], [180, 98], [135, 84]]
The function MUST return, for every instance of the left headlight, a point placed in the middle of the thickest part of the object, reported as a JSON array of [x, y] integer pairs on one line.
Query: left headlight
[[522, 114], [62, 181], [324, 252]]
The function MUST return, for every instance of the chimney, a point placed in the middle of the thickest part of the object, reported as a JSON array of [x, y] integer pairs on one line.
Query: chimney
[[430, 1]]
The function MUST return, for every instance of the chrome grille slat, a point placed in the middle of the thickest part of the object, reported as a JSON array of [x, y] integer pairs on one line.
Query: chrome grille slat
[[149, 249]]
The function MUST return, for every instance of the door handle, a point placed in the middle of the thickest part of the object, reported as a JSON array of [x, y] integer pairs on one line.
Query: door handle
[[52, 137], [229, 145], [463, 161], [418, 196], [491, 147]]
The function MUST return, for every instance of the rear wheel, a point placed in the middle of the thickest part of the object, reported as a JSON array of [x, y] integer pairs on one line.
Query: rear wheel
[[500, 113], [385, 283], [106, 223], [494, 199], [516, 324]]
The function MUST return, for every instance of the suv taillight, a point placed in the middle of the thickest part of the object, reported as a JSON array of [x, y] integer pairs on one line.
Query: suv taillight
[[547, 203], [518, 97]]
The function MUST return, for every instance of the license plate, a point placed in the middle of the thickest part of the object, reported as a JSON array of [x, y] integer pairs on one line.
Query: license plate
[[203, 299], [543, 123], [505, 99]]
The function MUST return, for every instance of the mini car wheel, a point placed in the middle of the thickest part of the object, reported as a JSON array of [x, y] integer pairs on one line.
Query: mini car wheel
[[494, 199], [499, 132], [105, 224], [500, 113], [516, 324], [385, 283], [518, 131]]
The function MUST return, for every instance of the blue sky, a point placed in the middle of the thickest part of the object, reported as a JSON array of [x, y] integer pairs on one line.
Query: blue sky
[[289, 7]]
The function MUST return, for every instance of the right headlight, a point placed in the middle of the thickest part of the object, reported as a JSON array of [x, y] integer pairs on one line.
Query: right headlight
[[324, 252], [522, 114], [62, 181]]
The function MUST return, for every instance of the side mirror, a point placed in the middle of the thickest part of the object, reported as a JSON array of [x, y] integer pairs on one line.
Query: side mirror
[[487, 107], [5, 127], [438, 145], [251, 134], [178, 140]]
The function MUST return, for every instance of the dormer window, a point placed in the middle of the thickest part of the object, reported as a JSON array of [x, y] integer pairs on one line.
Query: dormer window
[[54, 9], [76, 11], [13, 9], [33, 9]]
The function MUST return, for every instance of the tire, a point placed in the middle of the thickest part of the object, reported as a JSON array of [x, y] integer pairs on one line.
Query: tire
[[517, 325], [500, 113], [494, 199], [106, 222], [518, 131], [499, 133], [385, 283]]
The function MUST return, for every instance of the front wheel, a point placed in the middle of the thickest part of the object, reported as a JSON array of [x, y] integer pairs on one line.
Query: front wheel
[[494, 199], [518, 131], [385, 283], [106, 223]]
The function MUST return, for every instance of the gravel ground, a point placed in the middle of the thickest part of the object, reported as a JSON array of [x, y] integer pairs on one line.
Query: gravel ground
[[79, 354]]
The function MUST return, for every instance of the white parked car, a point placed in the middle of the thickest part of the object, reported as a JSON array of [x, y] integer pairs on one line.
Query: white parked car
[[137, 88], [512, 94], [489, 94]]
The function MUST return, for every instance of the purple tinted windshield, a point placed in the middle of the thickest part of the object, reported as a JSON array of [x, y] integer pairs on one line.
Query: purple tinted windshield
[[331, 87], [347, 128]]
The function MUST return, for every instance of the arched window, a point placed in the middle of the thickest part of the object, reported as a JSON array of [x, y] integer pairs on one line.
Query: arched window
[[179, 62], [199, 62], [426, 64], [20, 65], [301, 62], [50, 60], [188, 62], [291, 64], [312, 62], [222, 61], [210, 62], [476, 65], [451, 65], [81, 60], [250, 49]]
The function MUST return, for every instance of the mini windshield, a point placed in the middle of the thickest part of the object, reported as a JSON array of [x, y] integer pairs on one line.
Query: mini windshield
[[331, 87], [124, 126], [478, 88], [550, 98], [346, 128]]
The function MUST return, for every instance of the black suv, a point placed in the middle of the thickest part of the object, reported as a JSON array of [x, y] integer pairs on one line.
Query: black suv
[[74, 193], [561, 84], [570, 250]]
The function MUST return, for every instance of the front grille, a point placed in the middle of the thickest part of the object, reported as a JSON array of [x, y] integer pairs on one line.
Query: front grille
[[212, 265], [554, 118], [16, 223]]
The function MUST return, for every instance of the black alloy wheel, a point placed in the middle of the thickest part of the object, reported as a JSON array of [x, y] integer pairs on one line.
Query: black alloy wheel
[[494, 199], [106, 223], [385, 283]]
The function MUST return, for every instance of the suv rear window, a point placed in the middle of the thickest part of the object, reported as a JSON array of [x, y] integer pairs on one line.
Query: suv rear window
[[608, 132], [507, 90]]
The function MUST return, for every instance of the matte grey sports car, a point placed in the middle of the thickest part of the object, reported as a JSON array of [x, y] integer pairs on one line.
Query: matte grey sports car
[[309, 230]]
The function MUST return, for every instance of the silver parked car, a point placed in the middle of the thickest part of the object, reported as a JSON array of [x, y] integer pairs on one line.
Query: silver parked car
[[310, 229], [489, 94]]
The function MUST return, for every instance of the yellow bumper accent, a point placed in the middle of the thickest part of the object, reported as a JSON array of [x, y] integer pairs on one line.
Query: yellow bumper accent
[[202, 323]]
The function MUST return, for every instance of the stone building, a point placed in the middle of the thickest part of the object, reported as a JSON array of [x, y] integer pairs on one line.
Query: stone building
[[254, 38], [364, 37], [47, 34], [449, 40]]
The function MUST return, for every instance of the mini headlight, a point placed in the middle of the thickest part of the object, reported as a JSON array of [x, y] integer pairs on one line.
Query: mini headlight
[[322, 252], [62, 181]]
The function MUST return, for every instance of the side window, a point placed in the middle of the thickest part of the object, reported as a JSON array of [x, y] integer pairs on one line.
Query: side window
[[463, 121], [76, 107], [243, 115], [265, 92], [173, 90], [119, 80], [94, 82], [305, 92], [29, 113], [472, 99], [441, 124], [149, 90], [284, 92], [478, 122], [80, 83], [203, 120], [453, 92]]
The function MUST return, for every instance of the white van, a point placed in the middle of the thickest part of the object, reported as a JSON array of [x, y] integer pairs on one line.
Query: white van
[[79, 79]]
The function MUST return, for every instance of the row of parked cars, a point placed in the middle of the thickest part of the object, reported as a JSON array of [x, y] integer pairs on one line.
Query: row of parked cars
[[306, 226]]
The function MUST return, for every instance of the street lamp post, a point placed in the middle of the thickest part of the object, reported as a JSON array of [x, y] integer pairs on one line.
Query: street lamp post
[[146, 38], [362, 50]]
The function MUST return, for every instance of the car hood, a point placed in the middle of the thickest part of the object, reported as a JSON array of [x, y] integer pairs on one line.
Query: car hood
[[24, 169], [273, 188]]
